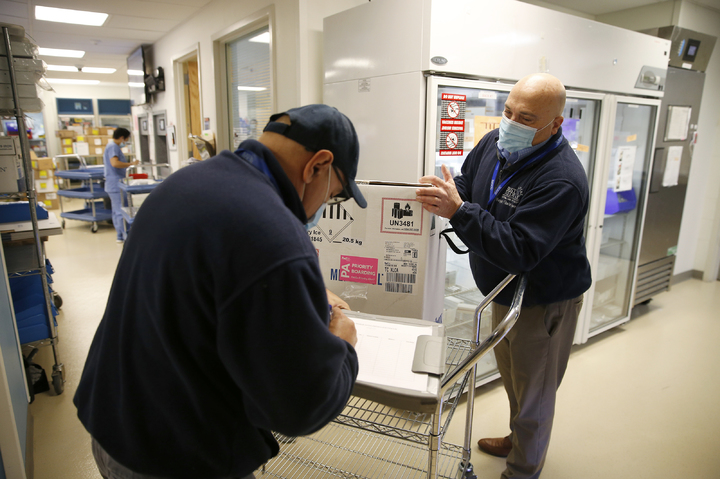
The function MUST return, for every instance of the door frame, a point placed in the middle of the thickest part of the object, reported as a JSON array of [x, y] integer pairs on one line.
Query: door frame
[[192, 52]]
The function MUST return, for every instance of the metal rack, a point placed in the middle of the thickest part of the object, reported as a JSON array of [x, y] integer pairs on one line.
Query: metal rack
[[58, 376], [371, 440]]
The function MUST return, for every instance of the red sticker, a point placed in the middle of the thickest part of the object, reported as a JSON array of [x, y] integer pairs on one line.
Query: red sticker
[[358, 269]]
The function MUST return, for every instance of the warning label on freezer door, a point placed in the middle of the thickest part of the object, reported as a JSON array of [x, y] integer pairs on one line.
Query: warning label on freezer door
[[401, 216], [451, 138]]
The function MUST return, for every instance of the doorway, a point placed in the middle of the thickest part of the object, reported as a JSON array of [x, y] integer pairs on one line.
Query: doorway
[[187, 74]]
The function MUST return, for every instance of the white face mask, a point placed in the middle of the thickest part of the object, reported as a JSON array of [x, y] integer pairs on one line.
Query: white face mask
[[314, 219], [515, 136]]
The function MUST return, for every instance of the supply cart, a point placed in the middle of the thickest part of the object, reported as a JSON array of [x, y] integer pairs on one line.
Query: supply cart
[[134, 186], [91, 191], [388, 432]]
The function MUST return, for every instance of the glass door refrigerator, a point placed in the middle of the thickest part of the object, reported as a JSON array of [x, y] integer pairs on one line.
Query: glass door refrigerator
[[459, 113], [619, 215]]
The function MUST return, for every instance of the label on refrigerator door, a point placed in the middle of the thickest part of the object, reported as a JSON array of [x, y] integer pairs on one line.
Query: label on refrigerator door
[[451, 140]]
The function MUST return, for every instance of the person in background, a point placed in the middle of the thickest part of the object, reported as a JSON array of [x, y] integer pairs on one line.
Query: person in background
[[519, 205], [217, 328], [115, 166]]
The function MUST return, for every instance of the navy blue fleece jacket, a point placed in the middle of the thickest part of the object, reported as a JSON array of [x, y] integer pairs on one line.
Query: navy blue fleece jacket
[[535, 225], [216, 328]]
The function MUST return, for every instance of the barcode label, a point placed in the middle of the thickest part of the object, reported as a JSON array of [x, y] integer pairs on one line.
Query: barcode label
[[398, 288], [401, 278]]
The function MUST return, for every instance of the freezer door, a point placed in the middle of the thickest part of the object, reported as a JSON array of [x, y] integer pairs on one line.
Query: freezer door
[[628, 164]]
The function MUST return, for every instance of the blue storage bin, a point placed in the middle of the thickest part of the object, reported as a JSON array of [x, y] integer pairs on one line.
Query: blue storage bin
[[19, 211]]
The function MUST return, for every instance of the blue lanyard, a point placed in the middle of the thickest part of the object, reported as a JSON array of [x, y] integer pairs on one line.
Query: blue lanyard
[[494, 192]]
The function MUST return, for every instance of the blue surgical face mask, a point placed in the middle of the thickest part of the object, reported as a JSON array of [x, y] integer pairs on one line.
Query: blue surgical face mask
[[122, 144], [313, 221], [515, 136]]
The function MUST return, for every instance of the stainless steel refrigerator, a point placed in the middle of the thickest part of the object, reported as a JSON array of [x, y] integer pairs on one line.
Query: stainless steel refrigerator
[[679, 112]]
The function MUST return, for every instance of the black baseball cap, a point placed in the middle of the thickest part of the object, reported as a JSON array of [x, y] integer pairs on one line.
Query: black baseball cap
[[321, 127]]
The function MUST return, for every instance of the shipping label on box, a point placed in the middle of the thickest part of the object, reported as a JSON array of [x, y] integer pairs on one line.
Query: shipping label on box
[[68, 141], [98, 150], [81, 148], [386, 259], [45, 186]]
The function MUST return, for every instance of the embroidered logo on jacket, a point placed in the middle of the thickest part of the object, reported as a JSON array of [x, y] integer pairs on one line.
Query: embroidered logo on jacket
[[511, 196]]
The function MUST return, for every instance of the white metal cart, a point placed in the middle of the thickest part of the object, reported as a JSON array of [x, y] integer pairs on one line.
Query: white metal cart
[[383, 433]]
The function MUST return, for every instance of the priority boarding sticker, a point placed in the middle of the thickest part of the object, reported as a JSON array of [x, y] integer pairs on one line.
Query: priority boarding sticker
[[401, 216], [400, 262], [358, 269]]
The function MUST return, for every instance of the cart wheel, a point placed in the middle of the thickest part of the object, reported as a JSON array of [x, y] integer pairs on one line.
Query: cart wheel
[[57, 300], [58, 382], [94, 227], [63, 224]]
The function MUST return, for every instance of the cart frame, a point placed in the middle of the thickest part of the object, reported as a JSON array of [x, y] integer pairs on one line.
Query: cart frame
[[372, 440]]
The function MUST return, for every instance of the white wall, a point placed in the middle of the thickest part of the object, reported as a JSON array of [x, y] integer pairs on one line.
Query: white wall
[[105, 91], [698, 246], [298, 66]]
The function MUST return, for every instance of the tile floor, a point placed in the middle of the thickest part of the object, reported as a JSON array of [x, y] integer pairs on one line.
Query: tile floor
[[640, 401]]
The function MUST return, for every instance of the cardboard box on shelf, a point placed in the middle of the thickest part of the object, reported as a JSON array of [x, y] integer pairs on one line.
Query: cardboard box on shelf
[[81, 148], [67, 150], [43, 174], [386, 259], [97, 150], [106, 131], [65, 134], [50, 200], [43, 164], [45, 185], [68, 141]]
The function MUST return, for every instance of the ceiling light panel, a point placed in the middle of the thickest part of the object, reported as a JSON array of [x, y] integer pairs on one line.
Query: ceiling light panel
[[64, 15], [97, 70], [69, 81], [55, 52], [62, 68]]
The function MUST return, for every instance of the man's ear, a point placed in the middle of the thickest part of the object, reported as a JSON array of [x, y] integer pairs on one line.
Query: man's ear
[[557, 123], [317, 164]]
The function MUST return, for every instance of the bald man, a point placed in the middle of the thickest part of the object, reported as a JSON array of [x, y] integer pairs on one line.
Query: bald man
[[519, 205], [218, 328]]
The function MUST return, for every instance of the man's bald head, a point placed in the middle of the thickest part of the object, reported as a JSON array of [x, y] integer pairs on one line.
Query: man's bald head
[[537, 100]]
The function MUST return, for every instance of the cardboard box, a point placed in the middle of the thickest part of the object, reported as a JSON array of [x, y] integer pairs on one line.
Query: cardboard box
[[97, 150], [43, 174], [67, 150], [50, 200], [98, 140], [68, 141], [106, 131], [12, 176], [81, 148], [387, 259], [43, 164], [65, 134], [45, 186]]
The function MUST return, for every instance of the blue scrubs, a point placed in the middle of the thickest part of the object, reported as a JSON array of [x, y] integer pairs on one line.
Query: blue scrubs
[[113, 176]]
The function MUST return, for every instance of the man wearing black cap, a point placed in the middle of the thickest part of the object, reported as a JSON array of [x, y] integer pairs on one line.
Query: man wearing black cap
[[217, 328]]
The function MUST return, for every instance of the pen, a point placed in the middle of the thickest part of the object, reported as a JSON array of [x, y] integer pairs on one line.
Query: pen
[[330, 305]]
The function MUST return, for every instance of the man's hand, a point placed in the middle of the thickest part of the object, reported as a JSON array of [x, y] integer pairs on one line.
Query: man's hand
[[343, 327], [334, 300], [443, 198]]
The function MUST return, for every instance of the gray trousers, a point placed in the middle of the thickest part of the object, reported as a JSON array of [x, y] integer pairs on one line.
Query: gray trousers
[[532, 359], [111, 469]]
